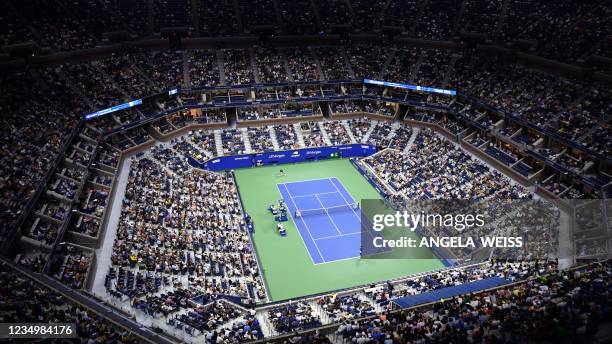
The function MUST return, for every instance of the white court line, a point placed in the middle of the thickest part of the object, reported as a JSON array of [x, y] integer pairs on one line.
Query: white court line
[[344, 198], [299, 232], [313, 209], [354, 212], [326, 212], [304, 222], [341, 235], [307, 180], [337, 236], [315, 194], [339, 260], [310, 234]]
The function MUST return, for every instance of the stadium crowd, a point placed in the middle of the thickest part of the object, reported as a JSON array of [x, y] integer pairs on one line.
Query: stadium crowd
[[548, 31], [156, 226], [337, 132], [556, 307], [435, 168], [347, 307], [181, 233], [294, 317], [26, 301]]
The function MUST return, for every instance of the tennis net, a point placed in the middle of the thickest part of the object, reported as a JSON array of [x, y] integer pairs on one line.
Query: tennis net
[[328, 210]]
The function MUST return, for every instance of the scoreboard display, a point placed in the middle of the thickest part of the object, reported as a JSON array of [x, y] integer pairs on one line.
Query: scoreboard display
[[113, 109], [411, 87]]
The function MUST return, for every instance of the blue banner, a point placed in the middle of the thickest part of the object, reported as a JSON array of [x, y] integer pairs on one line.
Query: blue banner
[[283, 157], [113, 109], [228, 162], [411, 87]]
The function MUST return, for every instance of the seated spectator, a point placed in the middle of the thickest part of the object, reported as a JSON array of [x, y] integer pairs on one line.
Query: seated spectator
[[26, 301]]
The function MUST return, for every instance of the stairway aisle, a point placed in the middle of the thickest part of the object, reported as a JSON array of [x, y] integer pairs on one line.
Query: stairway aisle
[[324, 134], [218, 142], [394, 127], [273, 138], [348, 131], [415, 132], [285, 61], [247, 142], [317, 63], [347, 63], [366, 137], [186, 69], [298, 133], [264, 323], [254, 67], [221, 66]]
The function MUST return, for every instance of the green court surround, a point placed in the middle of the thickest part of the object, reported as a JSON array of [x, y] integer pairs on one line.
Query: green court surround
[[288, 268]]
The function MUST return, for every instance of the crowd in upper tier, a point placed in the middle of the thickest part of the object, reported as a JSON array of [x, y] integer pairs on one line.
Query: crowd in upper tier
[[58, 96], [575, 110], [169, 251], [568, 31]]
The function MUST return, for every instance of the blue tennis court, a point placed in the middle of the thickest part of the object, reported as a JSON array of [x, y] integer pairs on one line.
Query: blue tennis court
[[327, 218]]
